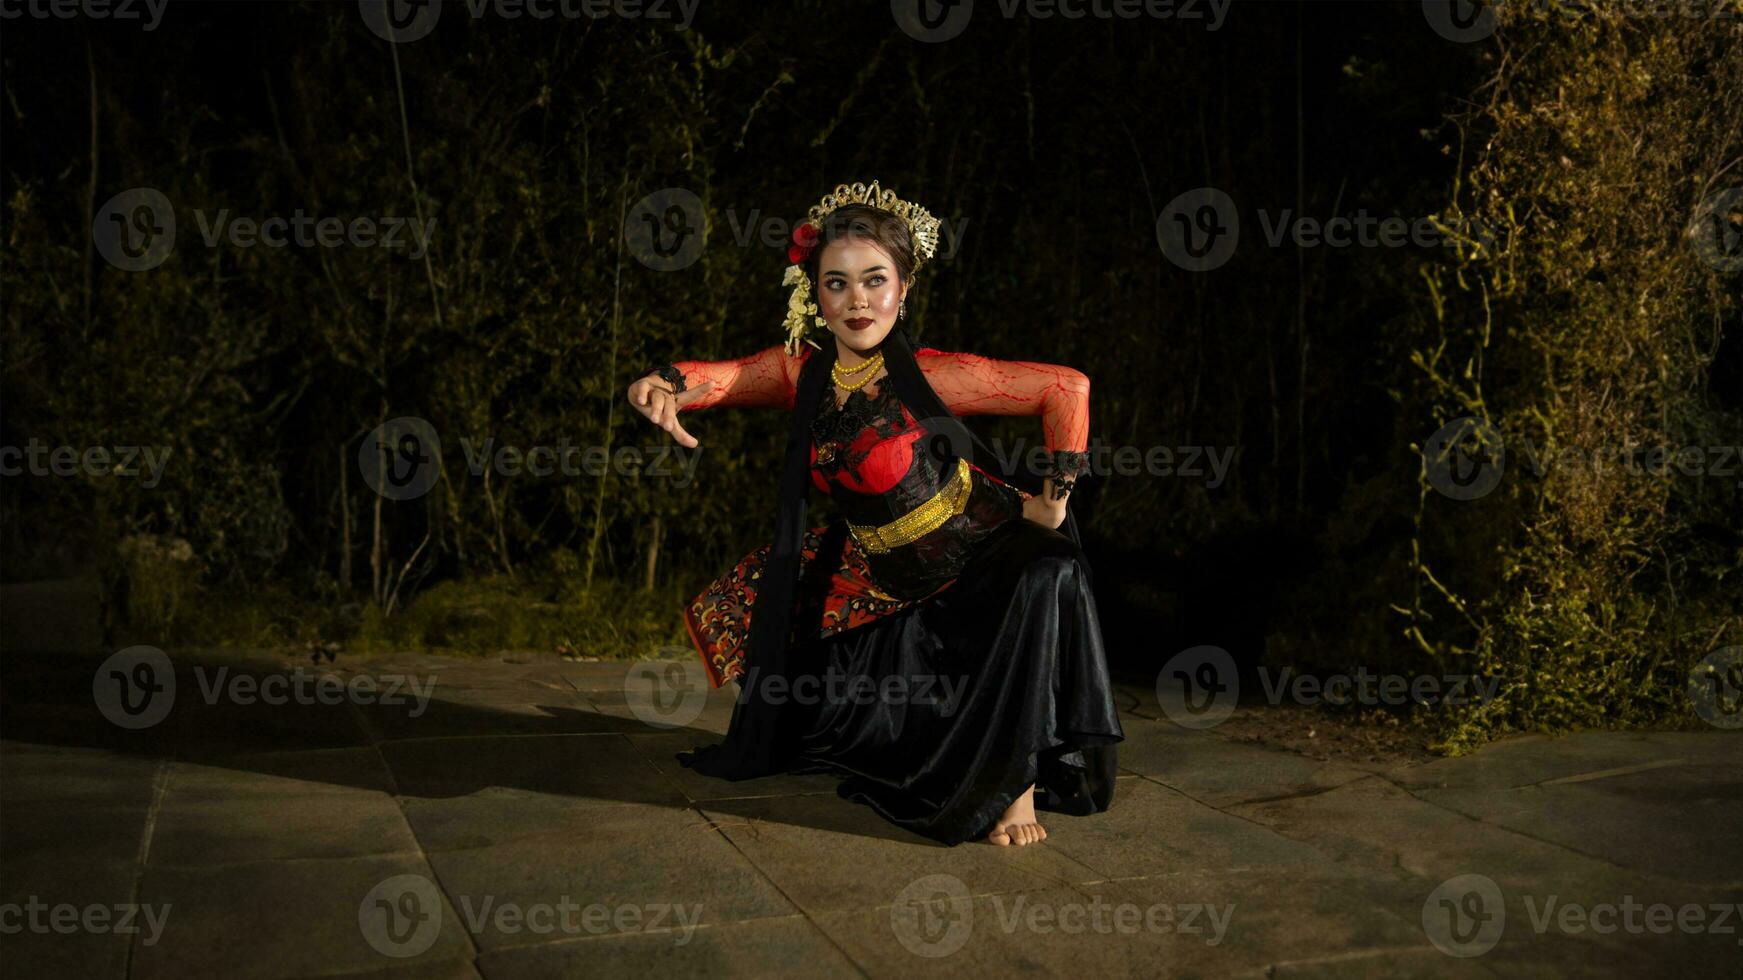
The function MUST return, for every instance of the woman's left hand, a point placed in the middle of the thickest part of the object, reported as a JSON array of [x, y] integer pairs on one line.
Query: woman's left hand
[[1049, 513]]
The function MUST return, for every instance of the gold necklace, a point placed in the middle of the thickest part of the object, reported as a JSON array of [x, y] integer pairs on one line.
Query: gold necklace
[[852, 386], [877, 358]]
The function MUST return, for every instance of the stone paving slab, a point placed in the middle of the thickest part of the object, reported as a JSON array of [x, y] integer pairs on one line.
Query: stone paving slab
[[271, 831], [279, 918], [64, 877], [789, 946], [1606, 817], [1152, 829], [665, 866], [1174, 925], [601, 767], [1219, 772], [216, 815]]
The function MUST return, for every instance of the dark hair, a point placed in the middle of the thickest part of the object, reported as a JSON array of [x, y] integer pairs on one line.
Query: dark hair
[[885, 228]]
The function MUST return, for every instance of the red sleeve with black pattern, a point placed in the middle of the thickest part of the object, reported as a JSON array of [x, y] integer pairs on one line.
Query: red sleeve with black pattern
[[767, 379], [970, 384]]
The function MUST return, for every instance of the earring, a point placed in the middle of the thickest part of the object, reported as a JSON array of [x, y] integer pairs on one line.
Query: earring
[[902, 313]]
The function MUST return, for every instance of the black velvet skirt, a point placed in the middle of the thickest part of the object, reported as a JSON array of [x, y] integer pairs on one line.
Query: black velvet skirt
[[940, 715]]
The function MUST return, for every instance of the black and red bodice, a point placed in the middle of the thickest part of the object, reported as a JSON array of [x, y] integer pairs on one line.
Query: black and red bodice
[[878, 463]]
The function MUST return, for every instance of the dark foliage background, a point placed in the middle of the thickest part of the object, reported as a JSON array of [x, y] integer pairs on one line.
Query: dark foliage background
[[1585, 144]]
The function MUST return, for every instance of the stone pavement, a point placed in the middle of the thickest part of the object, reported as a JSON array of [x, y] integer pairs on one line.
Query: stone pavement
[[527, 820]]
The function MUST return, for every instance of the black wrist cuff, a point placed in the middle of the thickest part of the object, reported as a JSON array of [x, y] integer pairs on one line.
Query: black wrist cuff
[[670, 374], [1064, 467]]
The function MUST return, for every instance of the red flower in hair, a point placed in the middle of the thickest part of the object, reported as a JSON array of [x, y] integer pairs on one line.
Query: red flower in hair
[[804, 242]]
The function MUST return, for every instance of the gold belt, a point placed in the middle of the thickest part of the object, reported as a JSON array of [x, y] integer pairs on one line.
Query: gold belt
[[919, 522]]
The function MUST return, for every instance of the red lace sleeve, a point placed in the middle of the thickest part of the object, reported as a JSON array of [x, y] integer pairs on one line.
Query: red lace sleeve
[[970, 384], [767, 379]]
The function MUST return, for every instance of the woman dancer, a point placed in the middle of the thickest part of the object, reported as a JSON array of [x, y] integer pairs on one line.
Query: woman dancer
[[939, 645]]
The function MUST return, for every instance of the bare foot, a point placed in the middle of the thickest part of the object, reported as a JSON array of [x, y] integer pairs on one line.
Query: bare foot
[[1018, 825]]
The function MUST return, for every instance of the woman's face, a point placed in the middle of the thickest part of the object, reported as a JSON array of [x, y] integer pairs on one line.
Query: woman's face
[[858, 292]]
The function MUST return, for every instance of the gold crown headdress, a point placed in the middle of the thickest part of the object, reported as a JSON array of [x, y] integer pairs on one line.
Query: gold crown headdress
[[922, 230]]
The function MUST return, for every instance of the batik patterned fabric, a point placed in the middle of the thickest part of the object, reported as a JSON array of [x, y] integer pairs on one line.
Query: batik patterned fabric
[[719, 618]]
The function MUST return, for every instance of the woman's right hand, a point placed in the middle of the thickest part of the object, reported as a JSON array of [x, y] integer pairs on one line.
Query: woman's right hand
[[653, 397]]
